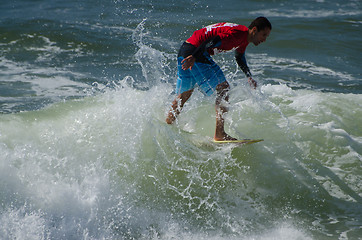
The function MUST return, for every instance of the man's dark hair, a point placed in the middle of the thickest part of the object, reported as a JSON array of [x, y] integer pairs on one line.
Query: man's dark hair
[[260, 23]]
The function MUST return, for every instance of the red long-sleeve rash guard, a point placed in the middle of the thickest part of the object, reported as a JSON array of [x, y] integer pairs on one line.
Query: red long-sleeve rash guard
[[232, 36], [222, 37]]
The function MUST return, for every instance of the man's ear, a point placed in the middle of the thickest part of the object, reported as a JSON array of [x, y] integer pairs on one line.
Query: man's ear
[[254, 30]]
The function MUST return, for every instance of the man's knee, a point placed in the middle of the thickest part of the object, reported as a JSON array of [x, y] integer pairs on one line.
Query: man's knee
[[222, 87]]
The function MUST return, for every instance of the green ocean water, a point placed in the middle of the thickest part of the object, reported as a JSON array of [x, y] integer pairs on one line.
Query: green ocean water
[[85, 153]]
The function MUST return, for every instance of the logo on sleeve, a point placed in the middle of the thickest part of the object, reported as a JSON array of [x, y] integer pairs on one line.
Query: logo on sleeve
[[218, 25]]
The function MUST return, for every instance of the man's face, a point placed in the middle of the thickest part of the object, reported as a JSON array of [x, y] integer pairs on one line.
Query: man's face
[[260, 36]]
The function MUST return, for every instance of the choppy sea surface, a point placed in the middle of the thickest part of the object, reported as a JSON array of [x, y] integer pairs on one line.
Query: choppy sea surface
[[85, 152]]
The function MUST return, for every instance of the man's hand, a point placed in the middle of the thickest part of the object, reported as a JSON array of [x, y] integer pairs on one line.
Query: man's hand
[[252, 82], [188, 62]]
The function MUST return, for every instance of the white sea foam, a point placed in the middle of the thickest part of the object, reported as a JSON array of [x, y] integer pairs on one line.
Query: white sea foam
[[306, 13], [263, 61], [85, 168], [44, 81], [21, 224]]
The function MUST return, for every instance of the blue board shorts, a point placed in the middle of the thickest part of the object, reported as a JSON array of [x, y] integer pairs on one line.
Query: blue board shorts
[[205, 75]]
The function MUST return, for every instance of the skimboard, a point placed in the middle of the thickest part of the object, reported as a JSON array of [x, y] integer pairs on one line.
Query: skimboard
[[242, 141]]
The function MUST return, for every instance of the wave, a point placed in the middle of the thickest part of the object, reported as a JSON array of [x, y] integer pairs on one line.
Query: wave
[[111, 165], [107, 165], [303, 13]]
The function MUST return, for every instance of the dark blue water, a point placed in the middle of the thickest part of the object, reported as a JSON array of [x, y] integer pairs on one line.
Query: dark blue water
[[85, 153]]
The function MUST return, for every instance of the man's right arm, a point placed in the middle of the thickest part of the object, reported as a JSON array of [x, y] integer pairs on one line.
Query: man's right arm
[[209, 43], [189, 61]]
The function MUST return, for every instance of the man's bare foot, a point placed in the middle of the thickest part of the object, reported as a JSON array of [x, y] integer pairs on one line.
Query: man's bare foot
[[223, 137], [170, 118]]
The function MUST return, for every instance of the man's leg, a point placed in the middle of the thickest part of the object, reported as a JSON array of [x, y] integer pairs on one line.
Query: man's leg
[[222, 94], [177, 105]]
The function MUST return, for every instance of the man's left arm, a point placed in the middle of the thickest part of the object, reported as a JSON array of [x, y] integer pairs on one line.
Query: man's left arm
[[241, 60]]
